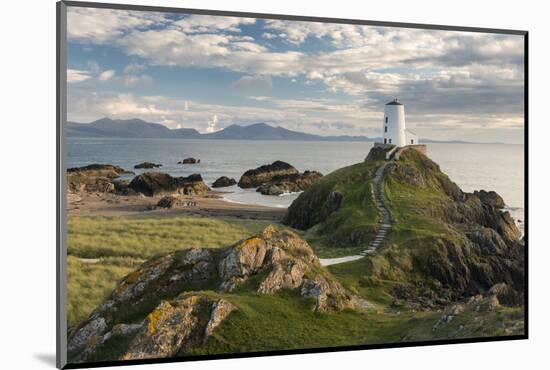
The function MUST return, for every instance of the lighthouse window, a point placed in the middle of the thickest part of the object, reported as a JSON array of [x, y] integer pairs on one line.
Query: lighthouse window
[[385, 128], [390, 141], [386, 119]]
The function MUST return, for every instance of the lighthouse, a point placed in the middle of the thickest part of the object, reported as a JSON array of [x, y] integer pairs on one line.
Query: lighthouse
[[394, 129]]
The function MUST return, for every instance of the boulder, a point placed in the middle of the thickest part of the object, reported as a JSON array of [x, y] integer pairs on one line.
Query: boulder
[[256, 177], [290, 183], [94, 178], [189, 160], [98, 170], [168, 201], [505, 294], [147, 165], [223, 181], [122, 188], [287, 262], [176, 326], [154, 183], [490, 198]]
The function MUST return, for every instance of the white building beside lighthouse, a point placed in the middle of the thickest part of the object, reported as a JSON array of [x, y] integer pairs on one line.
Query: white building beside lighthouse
[[394, 129]]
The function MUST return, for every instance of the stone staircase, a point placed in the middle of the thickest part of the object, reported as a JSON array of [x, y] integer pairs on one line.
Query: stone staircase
[[385, 224]]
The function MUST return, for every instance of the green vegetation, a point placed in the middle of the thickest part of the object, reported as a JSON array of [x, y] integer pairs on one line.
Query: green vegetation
[[284, 321], [428, 249], [89, 284], [353, 224], [102, 250], [144, 237]]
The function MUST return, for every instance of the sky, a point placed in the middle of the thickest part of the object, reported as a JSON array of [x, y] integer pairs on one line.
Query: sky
[[208, 72]]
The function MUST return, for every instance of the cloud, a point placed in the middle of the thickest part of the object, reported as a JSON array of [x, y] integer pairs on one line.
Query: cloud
[[466, 79], [254, 83], [106, 75], [212, 124], [76, 75], [133, 80], [134, 67], [98, 26], [210, 24]]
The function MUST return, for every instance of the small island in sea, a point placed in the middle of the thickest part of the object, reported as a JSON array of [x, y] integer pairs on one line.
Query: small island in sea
[[387, 250]]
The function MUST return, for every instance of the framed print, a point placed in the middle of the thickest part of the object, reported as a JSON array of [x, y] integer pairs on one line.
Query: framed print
[[237, 184]]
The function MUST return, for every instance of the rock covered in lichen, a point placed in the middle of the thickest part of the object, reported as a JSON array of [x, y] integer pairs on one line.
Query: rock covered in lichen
[[162, 310], [171, 328]]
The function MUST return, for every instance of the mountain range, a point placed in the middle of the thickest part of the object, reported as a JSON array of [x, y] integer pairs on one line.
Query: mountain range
[[140, 129], [137, 128]]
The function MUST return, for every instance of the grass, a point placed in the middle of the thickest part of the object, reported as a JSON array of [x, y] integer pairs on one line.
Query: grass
[[88, 284], [284, 321], [97, 236], [122, 243]]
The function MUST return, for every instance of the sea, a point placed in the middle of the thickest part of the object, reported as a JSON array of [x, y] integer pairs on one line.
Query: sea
[[498, 167]]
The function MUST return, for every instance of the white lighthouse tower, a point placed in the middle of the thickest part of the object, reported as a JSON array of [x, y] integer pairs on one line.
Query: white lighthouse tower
[[394, 128]]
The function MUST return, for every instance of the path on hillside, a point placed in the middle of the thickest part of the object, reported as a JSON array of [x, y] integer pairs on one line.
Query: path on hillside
[[385, 223]]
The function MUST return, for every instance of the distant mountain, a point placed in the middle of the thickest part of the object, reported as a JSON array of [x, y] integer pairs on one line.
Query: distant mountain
[[137, 128], [262, 131], [129, 128]]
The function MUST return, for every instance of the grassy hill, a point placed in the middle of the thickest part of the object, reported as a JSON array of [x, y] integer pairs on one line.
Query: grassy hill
[[451, 267], [447, 242]]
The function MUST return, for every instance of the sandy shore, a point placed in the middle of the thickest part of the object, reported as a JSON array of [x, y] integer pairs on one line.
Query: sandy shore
[[210, 204]]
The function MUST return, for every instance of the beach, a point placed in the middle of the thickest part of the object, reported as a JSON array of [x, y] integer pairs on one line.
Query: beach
[[210, 204]]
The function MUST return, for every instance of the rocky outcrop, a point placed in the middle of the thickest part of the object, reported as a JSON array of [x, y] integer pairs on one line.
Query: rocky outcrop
[[490, 198], [256, 177], [163, 308], [168, 201], [465, 245], [279, 185], [147, 165], [306, 212], [223, 181], [378, 153], [407, 174], [175, 326], [98, 170], [94, 178], [506, 295], [154, 183], [189, 160]]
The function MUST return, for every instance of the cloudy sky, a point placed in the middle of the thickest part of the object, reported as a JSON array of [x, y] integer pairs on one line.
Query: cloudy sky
[[209, 72]]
